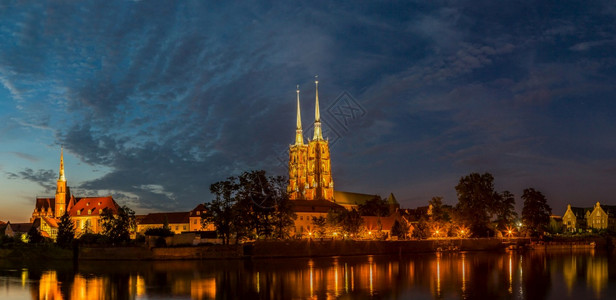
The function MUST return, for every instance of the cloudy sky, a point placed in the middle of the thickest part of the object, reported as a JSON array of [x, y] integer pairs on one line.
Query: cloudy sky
[[154, 101]]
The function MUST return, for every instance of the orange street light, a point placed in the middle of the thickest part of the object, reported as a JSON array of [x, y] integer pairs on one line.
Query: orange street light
[[509, 232]]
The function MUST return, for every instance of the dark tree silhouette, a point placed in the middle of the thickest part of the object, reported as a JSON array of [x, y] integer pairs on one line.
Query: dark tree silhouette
[[477, 201], [536, 211], [117, 227], [66, 231], [400, 229], [505, 211], [251, 205]]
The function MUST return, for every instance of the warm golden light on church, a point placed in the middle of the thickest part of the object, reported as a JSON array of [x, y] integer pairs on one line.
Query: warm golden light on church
[[310, 165]]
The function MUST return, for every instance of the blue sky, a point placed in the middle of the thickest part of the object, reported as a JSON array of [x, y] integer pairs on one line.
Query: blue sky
[[155, 100]]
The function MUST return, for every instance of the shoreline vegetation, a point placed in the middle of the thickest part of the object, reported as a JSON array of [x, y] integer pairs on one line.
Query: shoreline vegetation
[[300, 248]]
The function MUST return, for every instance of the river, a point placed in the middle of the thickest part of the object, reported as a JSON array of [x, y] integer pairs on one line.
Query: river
[[583, 274]]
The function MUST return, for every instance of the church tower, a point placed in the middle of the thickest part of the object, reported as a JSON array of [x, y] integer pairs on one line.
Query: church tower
[[297, 160], [320, 184], [61, 189]]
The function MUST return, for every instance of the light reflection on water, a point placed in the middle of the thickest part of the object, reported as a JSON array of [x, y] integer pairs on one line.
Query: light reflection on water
[[471, 275]]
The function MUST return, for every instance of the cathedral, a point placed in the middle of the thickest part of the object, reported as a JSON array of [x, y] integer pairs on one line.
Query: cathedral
[[84, 211], [310, 175]]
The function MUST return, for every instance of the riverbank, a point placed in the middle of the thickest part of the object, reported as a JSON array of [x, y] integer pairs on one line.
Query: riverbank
[[290, 249]]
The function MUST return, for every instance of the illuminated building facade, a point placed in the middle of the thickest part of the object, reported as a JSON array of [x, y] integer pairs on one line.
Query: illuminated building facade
[[178, 222], [599, 217], [84, 211], [310, 165]]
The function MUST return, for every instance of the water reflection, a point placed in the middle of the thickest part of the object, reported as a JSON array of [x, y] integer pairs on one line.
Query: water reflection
[[532, 275]]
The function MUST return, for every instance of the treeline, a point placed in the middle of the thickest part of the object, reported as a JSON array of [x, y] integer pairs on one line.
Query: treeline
[[482, 211], [250, 206]]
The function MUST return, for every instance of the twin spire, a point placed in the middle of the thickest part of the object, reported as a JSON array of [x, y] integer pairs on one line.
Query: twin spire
[[318, 135]]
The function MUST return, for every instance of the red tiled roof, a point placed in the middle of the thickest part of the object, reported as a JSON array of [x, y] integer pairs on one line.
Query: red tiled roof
[[21, 227], [170, 217], [387, 223], [93, 204], [43, 204], [51, 222], [200, 208]]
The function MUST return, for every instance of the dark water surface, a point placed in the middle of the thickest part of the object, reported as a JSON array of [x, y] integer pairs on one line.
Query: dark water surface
[[583, 274]]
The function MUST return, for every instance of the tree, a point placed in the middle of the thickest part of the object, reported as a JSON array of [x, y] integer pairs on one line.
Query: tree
[[284, 216], [34, 235], [267, 203], [66, 231], [319, 225], [117, 227], [421, 230], [348, 222], [505, 211], [400, 229], [251, 205], [374, 207], [220, 210], [352, 222], [536, 211], [477, 201], [439, 214]]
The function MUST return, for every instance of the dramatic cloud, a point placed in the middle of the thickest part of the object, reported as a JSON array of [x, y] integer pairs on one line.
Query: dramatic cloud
[[171, 97], [44, 178]]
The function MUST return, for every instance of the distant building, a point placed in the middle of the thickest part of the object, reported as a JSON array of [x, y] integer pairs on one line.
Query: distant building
[[574, 219], [196, 220], [577, 219], [602, 217], [307, 210], [178, 222], [311, 186], [19, 230], [84, 211]]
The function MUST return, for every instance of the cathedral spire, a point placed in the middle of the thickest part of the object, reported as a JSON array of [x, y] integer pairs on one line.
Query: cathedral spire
[[61, 177], [299, 136], [317, 115]]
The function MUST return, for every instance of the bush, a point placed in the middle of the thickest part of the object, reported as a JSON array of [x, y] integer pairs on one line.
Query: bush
[[9, 242], [160, 242], [162, 232], [94, 239], [139, 239]]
